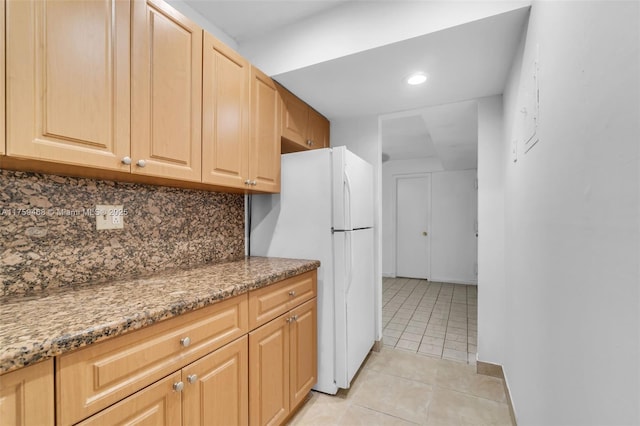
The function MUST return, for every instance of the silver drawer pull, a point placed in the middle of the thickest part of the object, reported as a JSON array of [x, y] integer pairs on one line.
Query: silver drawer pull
[[192, 378], [292, 293], [185, 341], [178, 386]]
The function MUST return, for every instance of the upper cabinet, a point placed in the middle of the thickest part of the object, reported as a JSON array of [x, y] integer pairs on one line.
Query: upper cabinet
[[302, 127], [264, 148], [68, 81], [133, 86], [225, 109], [241, 130], [166, 92], [2, 88]]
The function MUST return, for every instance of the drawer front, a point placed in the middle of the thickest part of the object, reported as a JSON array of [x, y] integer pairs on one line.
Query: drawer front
[[274, 300], [95, 377]]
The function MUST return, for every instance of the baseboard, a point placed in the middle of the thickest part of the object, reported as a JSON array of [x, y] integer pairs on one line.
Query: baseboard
[[388, 275], [377, 345], [453, 281], [496, 370]]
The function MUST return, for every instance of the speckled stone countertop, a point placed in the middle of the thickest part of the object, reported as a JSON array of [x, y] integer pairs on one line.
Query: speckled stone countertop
[[36, 328]]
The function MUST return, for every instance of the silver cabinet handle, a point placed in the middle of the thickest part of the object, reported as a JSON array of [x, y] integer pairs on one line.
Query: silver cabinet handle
[[185, 341], [292, 293], [247, 182], [141, 163], [294, 318], [309, 142], [126, 160], [178, 386], [192, 378], [254, 182]]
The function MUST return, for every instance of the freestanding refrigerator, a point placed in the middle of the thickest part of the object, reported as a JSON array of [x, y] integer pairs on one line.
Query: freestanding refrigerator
[[325, 212]]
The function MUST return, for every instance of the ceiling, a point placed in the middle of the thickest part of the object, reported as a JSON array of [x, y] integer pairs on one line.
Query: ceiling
[[437, 119]]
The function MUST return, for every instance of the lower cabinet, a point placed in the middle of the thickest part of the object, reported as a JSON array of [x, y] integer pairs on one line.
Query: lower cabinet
[[283, 364], [216, 387], [210, 391], [251, 359], [26, 396]]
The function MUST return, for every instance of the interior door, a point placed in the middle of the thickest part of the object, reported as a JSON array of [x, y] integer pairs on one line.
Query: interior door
[[413, 210]]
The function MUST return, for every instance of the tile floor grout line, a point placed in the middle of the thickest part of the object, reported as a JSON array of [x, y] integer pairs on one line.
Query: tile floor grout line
[[434, 298]]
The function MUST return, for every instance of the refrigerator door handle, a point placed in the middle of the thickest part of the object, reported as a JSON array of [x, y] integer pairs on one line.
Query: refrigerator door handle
[[347, 201], [349, 253]]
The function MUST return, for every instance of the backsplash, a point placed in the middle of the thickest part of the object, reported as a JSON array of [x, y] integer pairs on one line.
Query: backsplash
[[48, 235]]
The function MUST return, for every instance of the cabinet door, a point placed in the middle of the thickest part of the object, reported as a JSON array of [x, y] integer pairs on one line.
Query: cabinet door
[[318, 130], [225, 112], [158, 404], [167, 92], [26, 396], [68, 82], [295, 115], [304, 351], [264, 149], [216, 387], [269, 372], [2, 86]]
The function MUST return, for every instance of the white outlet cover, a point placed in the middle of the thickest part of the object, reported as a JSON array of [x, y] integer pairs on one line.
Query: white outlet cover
[[109, 216]]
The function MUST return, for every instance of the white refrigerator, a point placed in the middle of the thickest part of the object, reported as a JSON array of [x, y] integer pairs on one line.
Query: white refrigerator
[[325, 212]]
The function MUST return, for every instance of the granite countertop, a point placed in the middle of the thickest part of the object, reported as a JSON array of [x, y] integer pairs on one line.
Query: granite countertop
[[36, 328]]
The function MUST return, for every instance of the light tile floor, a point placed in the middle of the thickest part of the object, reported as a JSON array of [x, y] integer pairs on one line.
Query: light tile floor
[[397, 387], [431, 318], [425, 374]]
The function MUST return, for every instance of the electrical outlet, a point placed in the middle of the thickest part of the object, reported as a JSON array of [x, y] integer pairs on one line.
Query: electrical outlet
[[109, 217]]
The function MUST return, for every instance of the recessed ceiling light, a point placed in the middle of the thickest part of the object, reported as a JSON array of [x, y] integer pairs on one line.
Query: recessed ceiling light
[[417, 78]]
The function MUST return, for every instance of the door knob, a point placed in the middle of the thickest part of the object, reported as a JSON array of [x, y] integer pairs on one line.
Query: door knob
[[425, 233]]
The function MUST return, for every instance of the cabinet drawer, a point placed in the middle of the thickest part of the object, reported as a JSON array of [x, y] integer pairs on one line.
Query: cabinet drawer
[[95, 377], [272, 301]]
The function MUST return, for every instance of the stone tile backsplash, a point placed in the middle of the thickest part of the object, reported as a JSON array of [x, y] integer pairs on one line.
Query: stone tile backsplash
[[48, 235]]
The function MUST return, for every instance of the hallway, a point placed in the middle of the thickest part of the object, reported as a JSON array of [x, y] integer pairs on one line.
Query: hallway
[[396, 387], [433, 319], [426, 373]]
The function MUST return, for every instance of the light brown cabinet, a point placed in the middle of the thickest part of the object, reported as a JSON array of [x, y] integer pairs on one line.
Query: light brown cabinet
[[68, 82], [264, 143], [2, 85], [166, 93], [132, 90], [210, 391], [241, 147], [91, 379], [158, 404], [26, 396], [302, 127], [282, 351], [251, 359], [226, 109], [217, 387]]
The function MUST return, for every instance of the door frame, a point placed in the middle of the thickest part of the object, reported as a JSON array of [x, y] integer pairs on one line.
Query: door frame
[[394, 217]]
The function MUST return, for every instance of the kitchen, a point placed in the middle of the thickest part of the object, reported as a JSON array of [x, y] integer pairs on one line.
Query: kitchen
[[73, 252]]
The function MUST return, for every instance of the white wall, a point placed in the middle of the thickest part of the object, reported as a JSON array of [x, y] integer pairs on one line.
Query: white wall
[[453, 214], [491, 268], [361, 136], [183, 7], [571, 228], [357, 26]]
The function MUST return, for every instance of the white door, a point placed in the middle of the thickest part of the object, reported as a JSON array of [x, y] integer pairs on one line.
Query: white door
[[354, 302], [413, 244]]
